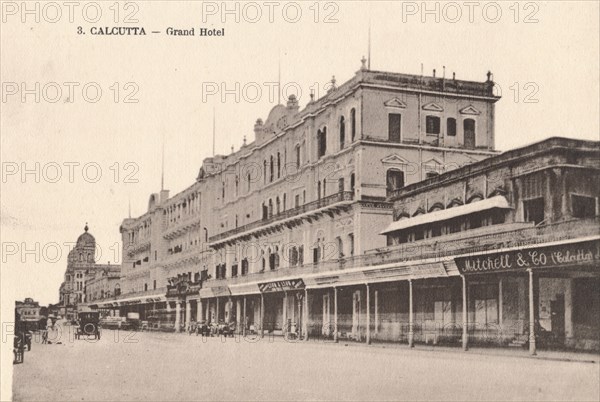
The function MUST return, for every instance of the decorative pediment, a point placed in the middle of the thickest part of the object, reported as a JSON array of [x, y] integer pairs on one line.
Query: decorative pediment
[[395, 103], [433, 162], [434, 165], [394, 159], [470, 110], [433, 107]]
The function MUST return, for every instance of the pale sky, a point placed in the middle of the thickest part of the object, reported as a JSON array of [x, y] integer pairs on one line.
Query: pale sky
[[553, 61]]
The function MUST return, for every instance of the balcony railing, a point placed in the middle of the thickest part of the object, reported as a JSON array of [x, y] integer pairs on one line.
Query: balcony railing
[[154, 292], [290, 213], [476, 240]]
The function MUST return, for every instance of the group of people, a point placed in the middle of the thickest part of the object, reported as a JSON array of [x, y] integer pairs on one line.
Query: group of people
[[49, 332]]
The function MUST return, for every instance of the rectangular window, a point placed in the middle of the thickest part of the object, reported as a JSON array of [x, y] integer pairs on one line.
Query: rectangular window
[[582, 206], [486, 304], [394, 127], [432, 125], [451, 127], [351, 240], [533, 210], [234, 271]]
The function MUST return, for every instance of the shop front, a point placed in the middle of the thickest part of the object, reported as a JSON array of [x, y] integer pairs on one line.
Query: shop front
[[545, 296]]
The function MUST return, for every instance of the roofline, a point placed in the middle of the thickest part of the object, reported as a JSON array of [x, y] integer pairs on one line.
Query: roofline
[[540, 147]]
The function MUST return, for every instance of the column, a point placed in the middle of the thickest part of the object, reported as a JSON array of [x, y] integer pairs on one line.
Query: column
[[500, 303], [465, 312], [200, 311], [368, 316], [177, 316], [229, 309], [217, 312], [238, 315], [188, 313], [306, 315], [411, 334], [532, 349], [376, 311], [335, 314], [262, 315], [207, 311], [284, 327], [244, 319]]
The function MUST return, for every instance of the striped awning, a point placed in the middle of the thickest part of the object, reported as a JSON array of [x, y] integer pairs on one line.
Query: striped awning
[[445, 214]]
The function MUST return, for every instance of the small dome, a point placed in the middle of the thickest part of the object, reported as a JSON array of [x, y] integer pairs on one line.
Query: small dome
[[86, 239]]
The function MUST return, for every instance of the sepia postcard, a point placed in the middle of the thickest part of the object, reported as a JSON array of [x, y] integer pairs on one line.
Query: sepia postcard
[[300, 200]]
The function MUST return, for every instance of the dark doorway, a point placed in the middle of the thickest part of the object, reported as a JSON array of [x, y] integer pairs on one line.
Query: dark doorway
[[557, 311], [469, 130]]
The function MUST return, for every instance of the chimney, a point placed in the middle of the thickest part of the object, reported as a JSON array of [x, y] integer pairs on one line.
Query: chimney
[[258, 130], [434, 73], [292, 103]]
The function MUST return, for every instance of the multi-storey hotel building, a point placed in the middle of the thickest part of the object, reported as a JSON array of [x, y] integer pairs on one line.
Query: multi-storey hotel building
[[265, 234]]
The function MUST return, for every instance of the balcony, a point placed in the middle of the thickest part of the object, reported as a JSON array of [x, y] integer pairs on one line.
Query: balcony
[[482, 239], [323, 203], [136, 248], [183, 226]]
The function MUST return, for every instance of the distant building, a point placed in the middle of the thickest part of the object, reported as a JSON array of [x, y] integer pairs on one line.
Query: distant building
[[28, 310], [103, 283], [81, 265]]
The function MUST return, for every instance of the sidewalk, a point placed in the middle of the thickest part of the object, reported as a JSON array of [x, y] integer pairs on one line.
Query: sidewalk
[[551, 355]]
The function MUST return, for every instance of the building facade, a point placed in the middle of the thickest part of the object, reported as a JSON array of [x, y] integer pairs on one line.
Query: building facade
[[81, 265], [103, 283], [517, 237], [28, 310], [308, 195]]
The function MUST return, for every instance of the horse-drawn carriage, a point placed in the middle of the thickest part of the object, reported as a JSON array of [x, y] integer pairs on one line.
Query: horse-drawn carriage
[[89, 325]]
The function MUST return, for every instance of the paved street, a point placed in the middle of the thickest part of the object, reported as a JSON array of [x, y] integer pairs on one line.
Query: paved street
[[158, 366]]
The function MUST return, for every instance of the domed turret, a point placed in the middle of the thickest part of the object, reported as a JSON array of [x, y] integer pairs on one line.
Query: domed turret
[[86, 240]]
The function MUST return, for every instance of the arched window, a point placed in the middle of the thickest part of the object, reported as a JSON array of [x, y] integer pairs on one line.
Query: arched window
[[278, 165], [270, 208], [271, 169], [298, 162], [277, 205], [205, 235], [469, 133], [265, 170], [342, 132], [352, 181], [340, 246], [394, 181], [353, 124], [271, 260], [324, 187], [284, 200], [321, 142], [319, 190], [249, 180], [265, 211]]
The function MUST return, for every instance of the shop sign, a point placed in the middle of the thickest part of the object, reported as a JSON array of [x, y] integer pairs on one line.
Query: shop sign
[[582, 253], [221, 291], [280, 286]]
